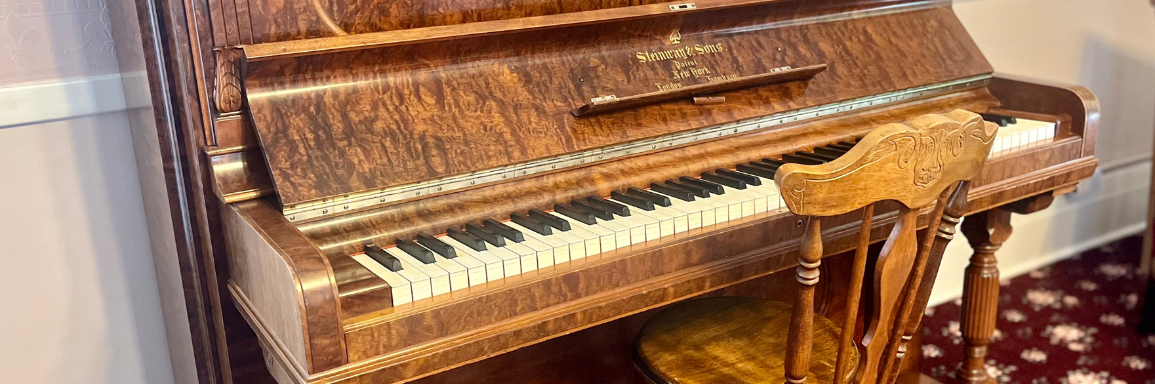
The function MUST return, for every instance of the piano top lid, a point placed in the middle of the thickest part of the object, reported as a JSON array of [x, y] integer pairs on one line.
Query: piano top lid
[[353, 121]]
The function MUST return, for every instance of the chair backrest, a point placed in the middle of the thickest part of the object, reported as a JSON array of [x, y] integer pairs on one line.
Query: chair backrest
[[929, 160]]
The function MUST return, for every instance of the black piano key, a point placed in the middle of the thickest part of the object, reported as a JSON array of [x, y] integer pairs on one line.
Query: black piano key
[[660, 200], [412, 248], [599, 213], [500, 229], [726, 181], [801, 160], [773, 168], [672, 192], [713, 187], [384, 258], [532, 225], [436, 245], [466, 239], [549, 219], [772, 162], [816, 156], [844, 148], [749, 179], [999, 119], [692, 189], [756, 171], [848, 143], [484, 234], [604, 204], [829, 151], [574, 213], [633, 201]]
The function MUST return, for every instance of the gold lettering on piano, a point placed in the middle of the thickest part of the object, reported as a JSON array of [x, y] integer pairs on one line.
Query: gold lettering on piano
[[684, 63], [683, 52]]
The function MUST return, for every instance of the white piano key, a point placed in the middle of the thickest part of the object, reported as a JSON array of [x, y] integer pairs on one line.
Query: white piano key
[[620, 230], [1022, 135], [438, 278], [692, 210], [511, 261], [681, 218], [636, 227], [561, 248], [458, 276], [606, 240], [544, 252], [399, 287], [652, 231], [577, 245], [527, 255], [494, 267], [475, 269], [672, 221]]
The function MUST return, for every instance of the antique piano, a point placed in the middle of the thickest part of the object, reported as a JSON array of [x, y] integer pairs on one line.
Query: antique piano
[[491, 190]]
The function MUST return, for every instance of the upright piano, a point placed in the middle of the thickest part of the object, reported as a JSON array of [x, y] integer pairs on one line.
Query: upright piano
[[489, 190]]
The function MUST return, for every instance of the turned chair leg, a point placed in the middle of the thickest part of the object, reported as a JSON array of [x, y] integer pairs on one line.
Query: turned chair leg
[[986, 232]]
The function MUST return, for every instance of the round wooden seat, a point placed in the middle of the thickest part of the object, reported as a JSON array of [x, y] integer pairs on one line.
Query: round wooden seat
[[730, 340]]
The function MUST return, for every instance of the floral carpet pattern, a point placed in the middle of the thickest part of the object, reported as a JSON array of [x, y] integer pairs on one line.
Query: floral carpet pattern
[[1070, 322]]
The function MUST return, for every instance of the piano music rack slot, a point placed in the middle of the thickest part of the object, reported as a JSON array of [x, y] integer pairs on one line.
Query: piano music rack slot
[[605, 105]]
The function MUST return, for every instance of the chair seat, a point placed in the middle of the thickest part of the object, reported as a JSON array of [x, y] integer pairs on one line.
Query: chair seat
[[730, 340]]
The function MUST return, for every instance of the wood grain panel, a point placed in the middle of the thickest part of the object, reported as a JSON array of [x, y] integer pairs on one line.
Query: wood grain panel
[[281, 20], [264, 240], [457, 109], [269, 287], [1077, 102]]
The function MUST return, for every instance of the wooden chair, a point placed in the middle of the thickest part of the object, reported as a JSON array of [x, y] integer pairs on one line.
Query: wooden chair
[[929, 160]]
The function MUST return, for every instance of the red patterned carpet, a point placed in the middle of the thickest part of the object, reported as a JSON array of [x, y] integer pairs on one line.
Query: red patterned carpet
[[1071, 322]]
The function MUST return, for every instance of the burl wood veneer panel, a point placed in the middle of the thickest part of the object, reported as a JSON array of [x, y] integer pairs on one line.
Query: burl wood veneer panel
[[268, 283], [281, 20], [470, 104]]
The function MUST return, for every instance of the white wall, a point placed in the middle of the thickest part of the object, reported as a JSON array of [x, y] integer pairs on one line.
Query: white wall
[[1109, 47], [79, 297]]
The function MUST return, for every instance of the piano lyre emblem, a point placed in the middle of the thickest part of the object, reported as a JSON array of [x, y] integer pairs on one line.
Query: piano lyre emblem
[[676, 37]]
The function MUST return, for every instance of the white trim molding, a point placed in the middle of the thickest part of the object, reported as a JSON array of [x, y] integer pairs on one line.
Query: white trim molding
[[49, 101]]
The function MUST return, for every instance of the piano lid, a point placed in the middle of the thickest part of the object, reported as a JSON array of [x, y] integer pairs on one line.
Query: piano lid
[[431, 104]]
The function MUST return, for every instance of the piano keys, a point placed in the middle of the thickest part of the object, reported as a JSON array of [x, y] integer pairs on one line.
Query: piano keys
[[680, 205]]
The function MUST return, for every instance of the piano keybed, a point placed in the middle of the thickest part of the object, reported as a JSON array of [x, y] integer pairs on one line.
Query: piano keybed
[[488, 250]]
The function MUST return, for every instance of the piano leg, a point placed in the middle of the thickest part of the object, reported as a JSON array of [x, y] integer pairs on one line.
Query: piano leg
[[986, 232]]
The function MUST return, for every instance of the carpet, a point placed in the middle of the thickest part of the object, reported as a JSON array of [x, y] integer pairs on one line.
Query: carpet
[[1070, 322]]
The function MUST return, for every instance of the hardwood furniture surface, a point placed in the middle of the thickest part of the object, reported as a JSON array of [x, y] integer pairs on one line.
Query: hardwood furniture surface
[[731, 340], [930, 160], [294, 133]]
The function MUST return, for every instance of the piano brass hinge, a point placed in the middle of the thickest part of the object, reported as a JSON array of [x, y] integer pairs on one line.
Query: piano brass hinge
[[603, 98]]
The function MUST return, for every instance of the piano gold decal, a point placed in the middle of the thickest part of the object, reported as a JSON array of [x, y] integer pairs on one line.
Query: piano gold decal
[[684, 62]]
